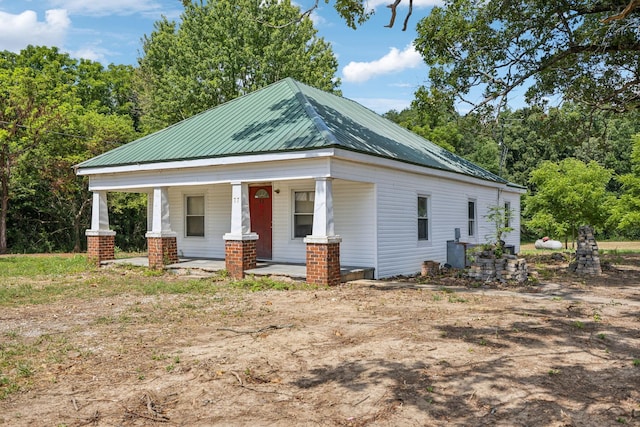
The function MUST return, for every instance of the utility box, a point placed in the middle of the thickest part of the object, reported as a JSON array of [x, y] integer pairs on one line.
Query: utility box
[[457, 253]]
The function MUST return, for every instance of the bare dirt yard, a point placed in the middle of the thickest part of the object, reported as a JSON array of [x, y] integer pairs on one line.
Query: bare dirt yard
[[562, 350]]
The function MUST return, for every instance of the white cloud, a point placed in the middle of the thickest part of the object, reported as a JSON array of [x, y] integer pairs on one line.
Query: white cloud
[[90, 53], [107, 7], [393, 62], [19, 31]]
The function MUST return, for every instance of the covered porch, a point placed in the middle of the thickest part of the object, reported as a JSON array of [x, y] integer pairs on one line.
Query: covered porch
[[235, 234]]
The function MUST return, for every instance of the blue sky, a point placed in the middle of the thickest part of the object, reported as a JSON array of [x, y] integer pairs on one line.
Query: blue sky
[[378, 66]]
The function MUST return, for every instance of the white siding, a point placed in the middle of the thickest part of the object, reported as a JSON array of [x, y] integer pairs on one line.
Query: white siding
[[354, 216], [399, 251], [285, 247], [355, 221], [375, 208], [513, 237], [217, 220]]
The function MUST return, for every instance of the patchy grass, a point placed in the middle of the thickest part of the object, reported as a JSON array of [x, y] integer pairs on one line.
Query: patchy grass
[[131, 346], [255, 284], [12, 267], [42, 280]]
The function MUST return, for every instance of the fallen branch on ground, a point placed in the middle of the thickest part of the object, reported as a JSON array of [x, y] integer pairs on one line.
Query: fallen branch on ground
[[256, 331]]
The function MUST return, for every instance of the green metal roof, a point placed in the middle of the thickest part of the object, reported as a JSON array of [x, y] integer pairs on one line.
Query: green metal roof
[[283, 117]]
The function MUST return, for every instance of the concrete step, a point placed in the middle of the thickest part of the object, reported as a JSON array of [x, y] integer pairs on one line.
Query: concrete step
[[348, 274]]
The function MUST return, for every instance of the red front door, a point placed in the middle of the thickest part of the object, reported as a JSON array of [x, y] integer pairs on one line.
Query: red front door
[[260, 209]]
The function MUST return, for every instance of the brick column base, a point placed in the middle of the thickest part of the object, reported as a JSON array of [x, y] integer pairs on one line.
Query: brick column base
[[100, 248], [323, 264], [239, 255], [162, 251]]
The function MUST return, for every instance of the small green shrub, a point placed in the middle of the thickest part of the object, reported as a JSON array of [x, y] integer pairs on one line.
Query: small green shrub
[[578, 324]]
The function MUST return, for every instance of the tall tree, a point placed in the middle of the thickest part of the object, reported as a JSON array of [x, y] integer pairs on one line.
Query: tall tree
[[226, 48], [566, 195], [55, 111], [432, 118], [36, 92], [625, 213], [566, 48]]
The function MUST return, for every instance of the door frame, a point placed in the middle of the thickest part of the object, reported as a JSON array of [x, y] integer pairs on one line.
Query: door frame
[[264, 245]]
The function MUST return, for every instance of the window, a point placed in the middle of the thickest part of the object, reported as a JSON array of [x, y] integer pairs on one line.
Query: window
[[303, 213], [472, 217], [507, 214], [423, 218], [195, 216]]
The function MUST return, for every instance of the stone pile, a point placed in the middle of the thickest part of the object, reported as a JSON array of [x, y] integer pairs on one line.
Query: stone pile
[[508, 268], [587, 256]]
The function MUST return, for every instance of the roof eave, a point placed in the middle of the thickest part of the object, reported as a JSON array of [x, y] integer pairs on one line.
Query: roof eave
[[208, 161]]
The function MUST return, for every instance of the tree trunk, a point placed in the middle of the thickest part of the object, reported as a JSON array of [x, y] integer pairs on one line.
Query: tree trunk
[[77, 221]]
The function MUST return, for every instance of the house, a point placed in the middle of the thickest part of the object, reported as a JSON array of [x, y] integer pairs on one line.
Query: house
[[293, 174]]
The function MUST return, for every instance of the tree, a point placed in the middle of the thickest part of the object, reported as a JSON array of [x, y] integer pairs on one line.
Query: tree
[[33, 100], [224, 49], [107, 90], [566, 195], [625, 213], [55, 112], [431, 117], [567, 48]]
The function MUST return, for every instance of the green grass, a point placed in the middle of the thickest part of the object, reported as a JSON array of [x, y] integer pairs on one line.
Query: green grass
[[578, 324], [32, 280], [46, 279], [34, 266]]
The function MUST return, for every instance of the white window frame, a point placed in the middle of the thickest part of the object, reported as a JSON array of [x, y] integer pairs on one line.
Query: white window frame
[[187, 215], [472, 223], [427, 217], [295, 214], [507, 214]]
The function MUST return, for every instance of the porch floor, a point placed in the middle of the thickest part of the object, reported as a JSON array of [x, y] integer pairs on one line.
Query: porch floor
[[263, 268]]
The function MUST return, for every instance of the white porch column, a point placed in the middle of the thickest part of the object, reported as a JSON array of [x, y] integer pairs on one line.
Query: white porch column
[[160, 218], [161, 240], [323, 245], [240, 216], [100, 216], [240, 243], [100, 239], [323, 222], [150, 211]]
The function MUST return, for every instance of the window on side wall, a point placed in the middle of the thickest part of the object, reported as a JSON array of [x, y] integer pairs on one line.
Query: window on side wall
[[472, 218], [303, 213], [507, 214], [194, 216], [423, 218]]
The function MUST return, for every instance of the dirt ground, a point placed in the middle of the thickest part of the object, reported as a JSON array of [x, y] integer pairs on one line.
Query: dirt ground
[[562, 350]]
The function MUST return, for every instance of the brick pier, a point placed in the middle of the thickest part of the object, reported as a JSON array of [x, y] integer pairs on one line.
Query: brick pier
[[323, 263], [101, 247], [162, 251], [239, 255]]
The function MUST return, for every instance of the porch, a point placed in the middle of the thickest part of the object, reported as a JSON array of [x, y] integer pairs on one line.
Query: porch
[[290, 222], [263, 268]]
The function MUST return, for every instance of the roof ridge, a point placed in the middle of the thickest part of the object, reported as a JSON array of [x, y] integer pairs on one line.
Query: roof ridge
[[311, 112]]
